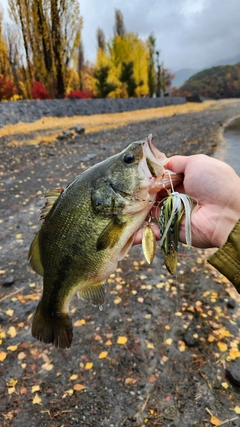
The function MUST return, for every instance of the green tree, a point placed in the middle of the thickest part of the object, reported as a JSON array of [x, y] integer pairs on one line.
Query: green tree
[[103, 86], [127, 77]]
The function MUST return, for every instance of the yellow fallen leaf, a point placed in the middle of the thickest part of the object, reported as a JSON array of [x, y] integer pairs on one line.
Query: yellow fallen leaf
[[47, 366], [237, 409], [215, 421], [225, 385], [2, 334], [234, 354], [18, 236], [182, 347], [12, 347], [73, 377], [222, 346], [103, 355], [89, 365], [35, 388], [211, 338], [12, 332], [11, 390], [70, 392], [9, 312], [117, 300], [80, 322], [37, 400], [78, 387], [12, 382], [3, 356], [122, 340], [21, 355], [150, 345], [168, 341], [108, 343]]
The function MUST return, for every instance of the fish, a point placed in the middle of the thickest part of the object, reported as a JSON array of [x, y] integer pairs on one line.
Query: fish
[[87, 228]]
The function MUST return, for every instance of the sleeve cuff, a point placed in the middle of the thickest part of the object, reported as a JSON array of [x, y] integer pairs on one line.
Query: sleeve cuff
[[227, 258]]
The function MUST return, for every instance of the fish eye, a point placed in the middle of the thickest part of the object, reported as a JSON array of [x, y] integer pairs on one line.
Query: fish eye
[[129, 158]]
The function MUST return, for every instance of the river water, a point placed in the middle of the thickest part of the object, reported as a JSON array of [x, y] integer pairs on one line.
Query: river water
[[229, 151]]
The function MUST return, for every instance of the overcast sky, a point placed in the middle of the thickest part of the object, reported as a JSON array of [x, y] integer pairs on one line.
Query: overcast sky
[[189, 33]]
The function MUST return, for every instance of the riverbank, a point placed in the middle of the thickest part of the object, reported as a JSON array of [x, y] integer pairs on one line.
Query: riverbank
[[158, 352]]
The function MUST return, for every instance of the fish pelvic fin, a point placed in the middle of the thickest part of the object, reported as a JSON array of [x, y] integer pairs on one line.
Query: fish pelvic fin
[[111, 234], [34, 256], [95, 294], [52, 329]]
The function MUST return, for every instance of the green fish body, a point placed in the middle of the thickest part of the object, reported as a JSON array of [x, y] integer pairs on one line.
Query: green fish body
[[90, 226]]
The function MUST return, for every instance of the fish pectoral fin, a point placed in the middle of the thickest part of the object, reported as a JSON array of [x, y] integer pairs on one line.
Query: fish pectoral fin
[[95, 294], [111, 234], [51, 196], [34, 256]]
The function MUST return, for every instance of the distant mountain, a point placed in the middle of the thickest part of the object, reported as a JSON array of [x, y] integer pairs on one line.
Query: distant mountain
[[216, 82], [228, 61], [181, 76]]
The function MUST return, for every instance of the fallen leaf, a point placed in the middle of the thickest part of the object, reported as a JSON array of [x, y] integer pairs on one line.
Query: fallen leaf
[[12, 347], [215, 421], [222, 346], [225, 385], [73, 377], [11, 390], [3, 356], [37, 400], [23, 390], [21, 355], [12, 382], [9, 312], [35, 388], [78, 387], [103, 355], [237, 409], [80, 322], [12, 332], [168, 341], [117, 300], [122, 340], [89, 365], [47, 366]]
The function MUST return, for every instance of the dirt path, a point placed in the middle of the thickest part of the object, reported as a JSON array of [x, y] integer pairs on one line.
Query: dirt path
[[157, 352]]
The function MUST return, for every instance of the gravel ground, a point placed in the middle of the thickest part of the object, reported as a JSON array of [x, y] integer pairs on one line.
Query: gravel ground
[[181, 332]]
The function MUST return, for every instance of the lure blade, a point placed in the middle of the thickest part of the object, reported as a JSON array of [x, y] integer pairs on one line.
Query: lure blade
[[148, 244]]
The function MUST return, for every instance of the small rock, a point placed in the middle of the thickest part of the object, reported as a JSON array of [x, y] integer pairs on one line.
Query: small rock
[[189, 339], [3, 317], [231, 303], [233, 373], [78, 129], [65, 135], [8, 281]]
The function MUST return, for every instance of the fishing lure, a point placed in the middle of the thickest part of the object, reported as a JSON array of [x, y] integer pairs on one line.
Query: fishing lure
[[148, 243], [171, 213]]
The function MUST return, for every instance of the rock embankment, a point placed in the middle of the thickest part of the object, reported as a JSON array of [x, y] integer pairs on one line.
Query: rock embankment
[[30, 111]]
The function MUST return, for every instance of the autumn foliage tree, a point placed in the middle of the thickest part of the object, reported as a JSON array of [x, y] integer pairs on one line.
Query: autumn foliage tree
[[50, 31]]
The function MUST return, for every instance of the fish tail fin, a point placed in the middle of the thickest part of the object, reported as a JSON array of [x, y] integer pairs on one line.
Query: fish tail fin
[[55, 329]]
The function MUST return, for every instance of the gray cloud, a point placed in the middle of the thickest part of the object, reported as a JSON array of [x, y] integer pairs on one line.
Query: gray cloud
[[189, 34]]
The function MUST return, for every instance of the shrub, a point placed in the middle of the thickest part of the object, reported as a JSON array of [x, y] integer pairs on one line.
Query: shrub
[[38, 91], [7, 88], [79, 94]]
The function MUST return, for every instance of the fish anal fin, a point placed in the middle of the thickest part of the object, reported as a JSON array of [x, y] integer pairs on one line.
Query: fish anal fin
[[52, 329], [51, 196], [95, 294], [34, 256], [111, 234]]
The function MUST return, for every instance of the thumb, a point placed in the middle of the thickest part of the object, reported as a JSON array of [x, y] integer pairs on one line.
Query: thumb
[[177, 163]]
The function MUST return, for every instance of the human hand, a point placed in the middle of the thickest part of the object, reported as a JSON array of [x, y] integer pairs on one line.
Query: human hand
[[215, 187]]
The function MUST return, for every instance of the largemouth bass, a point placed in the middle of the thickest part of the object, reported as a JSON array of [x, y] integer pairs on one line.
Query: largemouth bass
[[88, 228]]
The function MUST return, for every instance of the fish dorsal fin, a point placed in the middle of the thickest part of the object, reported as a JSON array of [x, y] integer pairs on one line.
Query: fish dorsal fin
[[111, 234], [34, 256], [95, 294], [51, 196]]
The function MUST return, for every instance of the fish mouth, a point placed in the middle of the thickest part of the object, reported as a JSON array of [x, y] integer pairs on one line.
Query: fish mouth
[[154, 160]]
